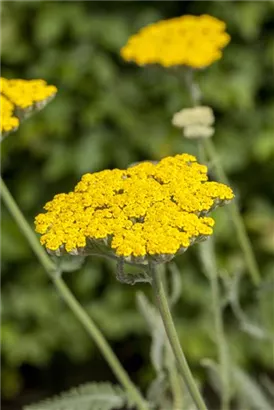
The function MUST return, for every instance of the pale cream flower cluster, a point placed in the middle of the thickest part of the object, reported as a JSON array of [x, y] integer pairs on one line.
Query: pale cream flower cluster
[[196, 122]]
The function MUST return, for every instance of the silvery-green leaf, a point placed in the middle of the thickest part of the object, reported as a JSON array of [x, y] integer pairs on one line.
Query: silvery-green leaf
[[249, 391], [268, 385], [156, 329], [68, 263], [176, 284], [147, 310], [213, 373], [157, 392], [92, 396], [253, 329]]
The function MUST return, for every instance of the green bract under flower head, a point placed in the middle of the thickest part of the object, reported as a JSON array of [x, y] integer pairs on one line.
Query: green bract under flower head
[[146, 211]]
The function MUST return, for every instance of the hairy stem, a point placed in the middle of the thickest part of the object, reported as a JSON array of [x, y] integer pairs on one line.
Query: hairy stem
[[175, 381], [13, 208], [184, 369], [235, 214], [208, 259], [209, 148], [71, 301], [101, 342]]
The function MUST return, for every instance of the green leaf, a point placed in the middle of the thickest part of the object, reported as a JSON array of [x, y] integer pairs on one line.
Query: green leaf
[[92, 396]]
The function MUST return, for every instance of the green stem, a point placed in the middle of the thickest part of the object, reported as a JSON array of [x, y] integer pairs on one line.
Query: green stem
[[101, 342], [209, 147], [220, 341], [176, 383], [175, 380], [235, 214], [71, 301], [184, 369], [209, 265], [44, 259]]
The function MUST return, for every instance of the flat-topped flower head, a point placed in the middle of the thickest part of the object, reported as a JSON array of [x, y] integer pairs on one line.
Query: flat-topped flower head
[[146, 212], [193, 41], [19, 98]]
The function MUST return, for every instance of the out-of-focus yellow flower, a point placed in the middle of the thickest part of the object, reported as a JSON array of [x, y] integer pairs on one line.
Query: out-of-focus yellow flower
[[146, 211], [194, 41], [19, 98]]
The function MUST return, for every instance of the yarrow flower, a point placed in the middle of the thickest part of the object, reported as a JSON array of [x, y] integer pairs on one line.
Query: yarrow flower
[[196, 122], [146, 212], [9, 122], [193, 41], [19, 98]]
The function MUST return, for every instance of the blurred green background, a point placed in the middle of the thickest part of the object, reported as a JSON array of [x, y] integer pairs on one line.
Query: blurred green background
[[109, 114]]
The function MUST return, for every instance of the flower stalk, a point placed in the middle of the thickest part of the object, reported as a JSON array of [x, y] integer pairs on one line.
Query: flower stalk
[[210, 269], [208, 260], [243, 238], [158, 288], [176, 384], [71, 301], [175, 378], [211, 153]]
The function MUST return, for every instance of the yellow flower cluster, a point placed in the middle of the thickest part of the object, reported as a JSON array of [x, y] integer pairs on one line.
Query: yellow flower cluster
[[194, 41], [147, 210], [20, 97]]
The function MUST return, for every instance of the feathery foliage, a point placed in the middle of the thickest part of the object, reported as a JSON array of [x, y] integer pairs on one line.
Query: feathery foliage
[[92, 396]]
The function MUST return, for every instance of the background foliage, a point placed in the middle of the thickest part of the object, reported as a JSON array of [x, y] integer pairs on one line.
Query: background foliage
[[109, 114]]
